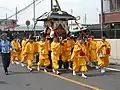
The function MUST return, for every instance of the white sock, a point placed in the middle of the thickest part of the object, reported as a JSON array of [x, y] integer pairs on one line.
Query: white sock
[[38, 68], [53, 70], [83, 75], [74, 73], [57, 72]]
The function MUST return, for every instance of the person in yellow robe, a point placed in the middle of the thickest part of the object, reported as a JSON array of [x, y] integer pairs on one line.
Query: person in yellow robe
[[15, 55], [63, 50], [103, 51], [55, 55], [43, 52], [36, 47], [92, 52], [48, 43], [69, 44], [29, 51], [79, 58], [63, 44], [87, 45], [22, 54]]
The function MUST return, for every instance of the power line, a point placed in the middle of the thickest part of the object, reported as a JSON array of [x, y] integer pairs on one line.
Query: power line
[[23, 9], [40, 2]]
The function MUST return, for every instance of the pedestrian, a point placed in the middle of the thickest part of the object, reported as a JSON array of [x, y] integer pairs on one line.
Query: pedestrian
[[5, 47]]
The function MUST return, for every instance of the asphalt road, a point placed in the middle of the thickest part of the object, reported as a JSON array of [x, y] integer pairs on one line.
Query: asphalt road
[[21, 79]]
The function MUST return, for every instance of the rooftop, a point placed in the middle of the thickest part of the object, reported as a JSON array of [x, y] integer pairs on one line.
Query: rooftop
[[24, 28]]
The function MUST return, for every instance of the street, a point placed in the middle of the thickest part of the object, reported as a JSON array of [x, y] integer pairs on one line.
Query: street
[[21, 79]]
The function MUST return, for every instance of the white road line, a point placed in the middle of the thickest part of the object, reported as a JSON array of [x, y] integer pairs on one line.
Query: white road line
[[113, 69]]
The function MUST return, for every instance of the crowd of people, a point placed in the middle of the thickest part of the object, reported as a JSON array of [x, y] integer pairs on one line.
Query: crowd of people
[[75, 54]]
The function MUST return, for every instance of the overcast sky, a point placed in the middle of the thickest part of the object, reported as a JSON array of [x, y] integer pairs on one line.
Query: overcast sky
[[79, 7]]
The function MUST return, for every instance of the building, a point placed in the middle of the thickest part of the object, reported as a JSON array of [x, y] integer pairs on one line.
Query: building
[[8, 24], [111, 9], [111, 17]]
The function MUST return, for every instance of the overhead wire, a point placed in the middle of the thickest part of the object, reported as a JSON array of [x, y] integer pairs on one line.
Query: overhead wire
[[23, 9]]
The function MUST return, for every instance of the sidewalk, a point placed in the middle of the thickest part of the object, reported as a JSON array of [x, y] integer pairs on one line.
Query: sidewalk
[[115, 61]]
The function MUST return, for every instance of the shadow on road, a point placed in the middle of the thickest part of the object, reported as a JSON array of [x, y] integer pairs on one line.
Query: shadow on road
[[105, 74], [14, 73]]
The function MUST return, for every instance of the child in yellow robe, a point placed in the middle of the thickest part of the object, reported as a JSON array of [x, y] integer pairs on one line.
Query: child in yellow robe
[[29, 51], [22, 54], [79, 58], [55, 48], [92, 52], [103, 51], [43, 55], [15, 55]]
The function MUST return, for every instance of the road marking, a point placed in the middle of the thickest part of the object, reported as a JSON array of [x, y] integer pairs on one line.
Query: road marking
[[113, 69], [73, 81]]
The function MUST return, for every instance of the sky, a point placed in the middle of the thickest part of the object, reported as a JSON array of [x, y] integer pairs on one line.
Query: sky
[[80, 7]]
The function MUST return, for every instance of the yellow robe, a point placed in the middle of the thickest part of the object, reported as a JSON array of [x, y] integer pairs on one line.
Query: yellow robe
[[92, 51], [55, 48], [63, 51], [29, 51], [43, 54], [79, 62], [48, 44], [103, 59], [15, 55], [87, 45], [23, 44], [36, 47], [68, 46]]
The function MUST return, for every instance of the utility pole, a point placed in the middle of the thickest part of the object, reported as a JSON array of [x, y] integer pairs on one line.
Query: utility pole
[[85, 18], [6, 21], [34, 17], [51, 5], [71, 20], [16, 13], [102, 25]]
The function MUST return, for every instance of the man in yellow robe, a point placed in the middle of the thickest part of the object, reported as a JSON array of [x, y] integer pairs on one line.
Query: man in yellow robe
[[55, 55], [63, 44], [22, 54], [79, 58], [43, 55], [36, 47], [29, 51], [69, 44], [103, 51], [92, 52], [15, 55], [87, 45]]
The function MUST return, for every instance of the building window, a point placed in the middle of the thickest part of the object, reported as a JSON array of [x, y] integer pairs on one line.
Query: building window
[[118, 4], [114, 5]]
